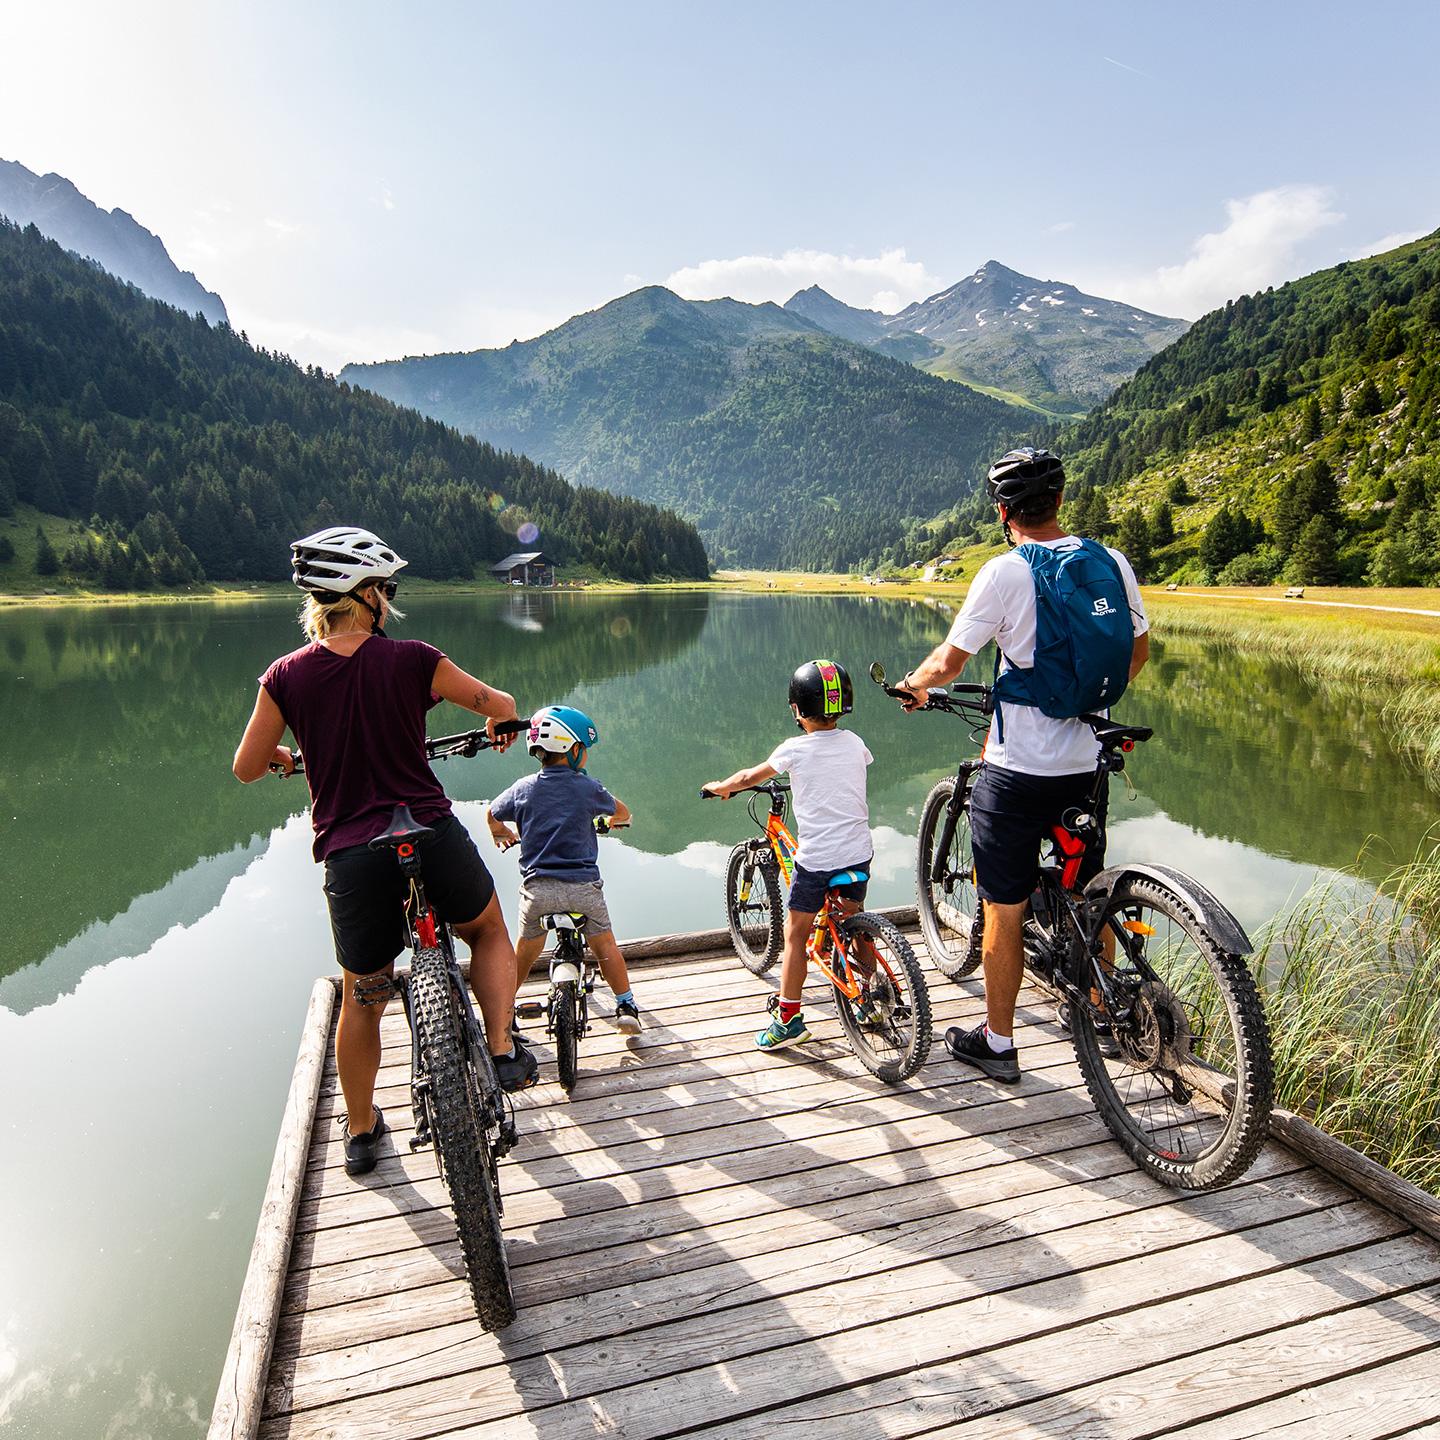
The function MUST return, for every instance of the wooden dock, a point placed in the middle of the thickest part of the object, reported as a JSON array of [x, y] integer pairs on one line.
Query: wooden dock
[[707, 1241]]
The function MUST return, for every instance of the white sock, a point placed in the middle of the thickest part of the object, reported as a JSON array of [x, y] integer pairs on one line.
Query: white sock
[[998, 1044]]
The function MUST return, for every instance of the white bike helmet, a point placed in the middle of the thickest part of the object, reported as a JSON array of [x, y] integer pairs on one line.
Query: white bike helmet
[[339, 559], [556, 728]]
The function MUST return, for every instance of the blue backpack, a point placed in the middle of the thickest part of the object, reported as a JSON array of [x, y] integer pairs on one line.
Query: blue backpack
[[1084, 636]]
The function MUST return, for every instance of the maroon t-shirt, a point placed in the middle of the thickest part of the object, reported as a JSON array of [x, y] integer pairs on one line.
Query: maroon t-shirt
[[360, 722]]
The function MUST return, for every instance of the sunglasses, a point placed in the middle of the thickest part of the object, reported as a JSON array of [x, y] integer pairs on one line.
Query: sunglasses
[[388, 588]]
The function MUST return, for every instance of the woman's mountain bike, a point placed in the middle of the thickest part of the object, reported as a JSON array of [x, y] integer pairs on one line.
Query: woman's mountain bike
[[566, 1006], [1163, 1012], [455, 1093], [880, 992]]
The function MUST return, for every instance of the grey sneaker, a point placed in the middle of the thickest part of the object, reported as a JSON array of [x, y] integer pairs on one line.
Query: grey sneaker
[[973, 1048], [627, 1018]]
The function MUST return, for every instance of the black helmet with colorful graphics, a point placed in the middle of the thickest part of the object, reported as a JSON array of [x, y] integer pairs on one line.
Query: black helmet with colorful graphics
[[821, 690]]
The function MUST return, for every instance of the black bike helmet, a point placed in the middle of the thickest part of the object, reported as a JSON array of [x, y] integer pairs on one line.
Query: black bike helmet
[[1018, 475], [821, 690]]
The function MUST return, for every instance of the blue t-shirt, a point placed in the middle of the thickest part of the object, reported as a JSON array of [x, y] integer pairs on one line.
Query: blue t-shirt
[[555, 811]]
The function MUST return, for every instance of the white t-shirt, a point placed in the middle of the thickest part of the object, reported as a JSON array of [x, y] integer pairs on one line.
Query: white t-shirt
[[827, 782], [1001, 607]]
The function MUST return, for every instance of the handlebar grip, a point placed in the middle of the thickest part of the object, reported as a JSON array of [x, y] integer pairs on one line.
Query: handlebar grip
[[708, 795], [512, 727]]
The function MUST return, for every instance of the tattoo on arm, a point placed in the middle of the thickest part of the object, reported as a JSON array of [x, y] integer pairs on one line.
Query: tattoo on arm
[[481, 700]]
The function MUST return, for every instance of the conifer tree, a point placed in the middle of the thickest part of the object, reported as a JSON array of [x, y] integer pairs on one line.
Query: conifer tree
[[1162, 524], [47, 562], [1316, 557]]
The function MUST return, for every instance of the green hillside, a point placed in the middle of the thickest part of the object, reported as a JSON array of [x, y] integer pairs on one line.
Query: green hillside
[[181, 453], [787, 446], [1293, 435]]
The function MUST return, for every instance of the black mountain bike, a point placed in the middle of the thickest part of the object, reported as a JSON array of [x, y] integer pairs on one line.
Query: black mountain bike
[[455, 1092], [1164, 1015]]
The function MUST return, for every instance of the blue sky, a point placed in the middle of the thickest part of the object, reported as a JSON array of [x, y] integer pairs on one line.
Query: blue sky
[[366, 180]]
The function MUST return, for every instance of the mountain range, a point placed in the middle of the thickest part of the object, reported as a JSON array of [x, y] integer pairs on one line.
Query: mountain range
[[787, 445], [114, 239], [1037, 342]]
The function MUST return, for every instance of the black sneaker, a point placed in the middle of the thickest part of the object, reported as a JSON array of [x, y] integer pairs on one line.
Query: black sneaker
[[518, 1071], [973, 1048], [1105, 1040], [627, 1018], [362, 1151]]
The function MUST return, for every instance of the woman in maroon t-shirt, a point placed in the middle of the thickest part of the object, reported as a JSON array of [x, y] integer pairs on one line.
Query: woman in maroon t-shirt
[[356, 701]]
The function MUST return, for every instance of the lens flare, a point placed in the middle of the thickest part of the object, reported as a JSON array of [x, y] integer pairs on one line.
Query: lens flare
[[528, 533]]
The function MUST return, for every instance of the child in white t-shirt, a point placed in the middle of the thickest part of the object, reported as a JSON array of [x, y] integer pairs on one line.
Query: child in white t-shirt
[[827, 782]]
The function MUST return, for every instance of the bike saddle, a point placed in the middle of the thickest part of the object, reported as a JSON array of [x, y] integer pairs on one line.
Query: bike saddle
[[563, 921], [403, 829], [1107, 732], [849, 877]]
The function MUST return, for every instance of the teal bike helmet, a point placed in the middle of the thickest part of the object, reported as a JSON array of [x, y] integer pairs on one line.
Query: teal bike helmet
[[556, 729]]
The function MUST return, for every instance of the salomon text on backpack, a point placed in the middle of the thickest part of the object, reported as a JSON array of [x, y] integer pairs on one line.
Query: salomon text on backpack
[[1084, 636]]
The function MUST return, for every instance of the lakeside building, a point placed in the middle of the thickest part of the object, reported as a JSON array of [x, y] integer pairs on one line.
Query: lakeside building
[[528, 567]]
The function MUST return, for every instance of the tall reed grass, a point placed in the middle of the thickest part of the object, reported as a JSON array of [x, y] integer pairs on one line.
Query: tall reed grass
[[1353, 998]]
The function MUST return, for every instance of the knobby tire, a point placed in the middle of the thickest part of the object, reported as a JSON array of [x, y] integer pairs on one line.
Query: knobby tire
[[955, 948], [908, 1043], [1239, 1037], [757, 933], [463, 1144], [567, 1045]]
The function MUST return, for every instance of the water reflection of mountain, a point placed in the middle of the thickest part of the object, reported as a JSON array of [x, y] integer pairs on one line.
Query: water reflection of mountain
[[122, 721]]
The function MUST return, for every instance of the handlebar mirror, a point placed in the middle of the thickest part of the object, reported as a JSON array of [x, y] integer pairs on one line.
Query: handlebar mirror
[[877, 672]]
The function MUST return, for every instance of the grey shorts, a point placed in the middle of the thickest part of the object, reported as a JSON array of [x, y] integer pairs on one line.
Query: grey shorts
[[545, 895]]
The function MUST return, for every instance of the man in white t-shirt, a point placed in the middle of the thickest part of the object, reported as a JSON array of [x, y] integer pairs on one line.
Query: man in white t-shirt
[[827, 768], [1035, 767]]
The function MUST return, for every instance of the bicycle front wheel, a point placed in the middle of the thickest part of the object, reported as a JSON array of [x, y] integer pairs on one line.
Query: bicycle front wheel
[[949, 908], [461, 1122], [567, 1048], [753, 908], [888, 1023], [1188, 1089]]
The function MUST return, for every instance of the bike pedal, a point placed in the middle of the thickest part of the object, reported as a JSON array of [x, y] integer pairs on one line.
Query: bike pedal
[[530, 1009], [419, 1143]]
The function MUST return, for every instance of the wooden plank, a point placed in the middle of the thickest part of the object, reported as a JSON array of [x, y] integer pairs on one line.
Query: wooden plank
[[1163, 1399], [740, 1360], [239, 1397], [378, 1337], [725, 1237], [1386, 1188], [1198, 1324], [543, 1228], [1401, 1398]]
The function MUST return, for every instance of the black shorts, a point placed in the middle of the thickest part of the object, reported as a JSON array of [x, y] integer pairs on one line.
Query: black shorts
[[366, 894], [807, 889], [1011, 815]]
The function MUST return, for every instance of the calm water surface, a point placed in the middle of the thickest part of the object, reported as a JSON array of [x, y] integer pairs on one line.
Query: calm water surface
[[163, 924]]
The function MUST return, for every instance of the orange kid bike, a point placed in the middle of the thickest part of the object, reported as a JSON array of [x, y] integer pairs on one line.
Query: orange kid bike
[[880, 992]]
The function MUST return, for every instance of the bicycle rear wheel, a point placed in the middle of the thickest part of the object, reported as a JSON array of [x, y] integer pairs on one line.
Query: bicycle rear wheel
[[567, 1049], [1188, 1094], [888, 1025], [465, 1125], [949, 908], [753, 908]]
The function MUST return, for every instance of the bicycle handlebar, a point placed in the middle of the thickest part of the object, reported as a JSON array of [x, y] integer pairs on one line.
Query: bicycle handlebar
[[442, 747], [767, 787]]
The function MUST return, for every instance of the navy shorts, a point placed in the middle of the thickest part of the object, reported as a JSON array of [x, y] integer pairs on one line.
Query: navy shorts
[[807, 889], [366, 894], [1011, 816]]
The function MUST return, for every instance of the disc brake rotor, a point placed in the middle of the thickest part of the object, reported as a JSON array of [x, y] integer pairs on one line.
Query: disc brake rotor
[[1159, 1037]]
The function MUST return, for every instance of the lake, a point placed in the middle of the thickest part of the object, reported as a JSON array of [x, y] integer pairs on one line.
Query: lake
[[164, 924]]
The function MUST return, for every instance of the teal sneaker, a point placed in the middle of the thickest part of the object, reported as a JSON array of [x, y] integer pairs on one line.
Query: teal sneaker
[[776, 1036]]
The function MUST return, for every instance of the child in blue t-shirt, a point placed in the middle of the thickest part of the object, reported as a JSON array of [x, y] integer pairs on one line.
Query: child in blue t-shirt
[[555, 812]]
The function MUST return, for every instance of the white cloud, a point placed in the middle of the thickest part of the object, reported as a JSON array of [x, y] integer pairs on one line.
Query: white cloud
[[1060, 227], [1256, 248], [1386, 242], [887, 281]]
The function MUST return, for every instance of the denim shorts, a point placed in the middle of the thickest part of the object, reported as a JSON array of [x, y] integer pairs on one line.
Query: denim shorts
[[807, 889], [1011, 815], [366, 894]]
